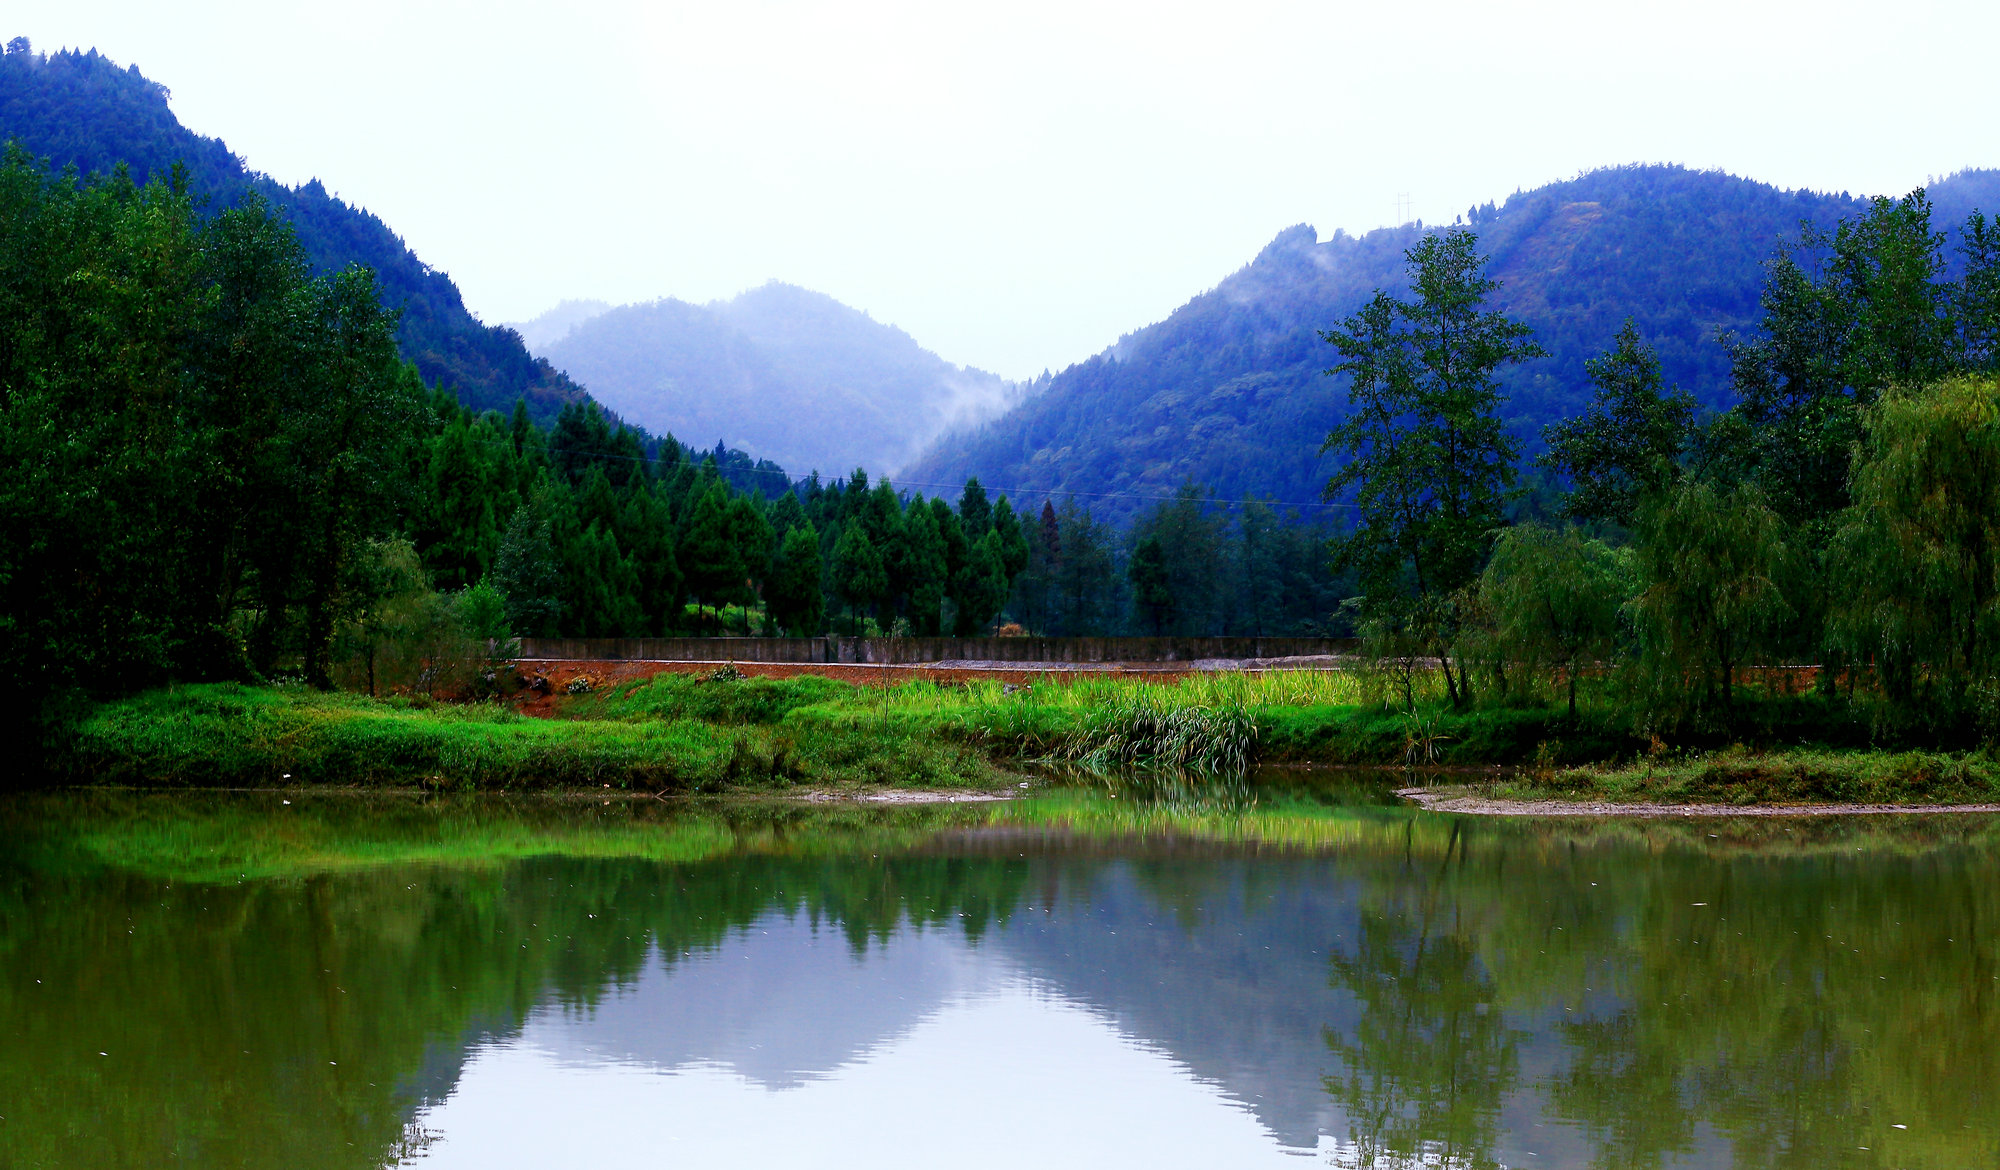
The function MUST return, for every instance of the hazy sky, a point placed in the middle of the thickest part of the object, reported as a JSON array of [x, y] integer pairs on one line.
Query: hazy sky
[[1016, 184]]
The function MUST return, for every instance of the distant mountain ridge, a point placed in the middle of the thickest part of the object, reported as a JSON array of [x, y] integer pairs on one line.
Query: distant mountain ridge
[[1228, 390], [785, 373], [80, 109]]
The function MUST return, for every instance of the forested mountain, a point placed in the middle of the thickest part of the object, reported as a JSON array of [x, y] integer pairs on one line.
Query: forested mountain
[[787, 374], [80, 109], [1228, 392]]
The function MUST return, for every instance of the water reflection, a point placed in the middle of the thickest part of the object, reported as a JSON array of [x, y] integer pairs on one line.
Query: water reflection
[[1125, 981]]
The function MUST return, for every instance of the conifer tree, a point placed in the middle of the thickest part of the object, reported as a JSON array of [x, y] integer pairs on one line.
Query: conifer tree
[[708, 556], [794, 596], [859, 580], [980, 588], [924, 568], [1152, 591]]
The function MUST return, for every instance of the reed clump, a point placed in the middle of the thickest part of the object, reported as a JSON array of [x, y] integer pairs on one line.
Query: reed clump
[[1154, 728]]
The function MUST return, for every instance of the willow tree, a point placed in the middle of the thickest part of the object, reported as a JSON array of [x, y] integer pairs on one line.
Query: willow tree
[[1428, 463], [1709, 558], [1918, 553], [1554, 596]]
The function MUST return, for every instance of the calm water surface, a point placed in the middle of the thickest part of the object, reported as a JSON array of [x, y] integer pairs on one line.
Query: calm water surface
[[1298, 972]]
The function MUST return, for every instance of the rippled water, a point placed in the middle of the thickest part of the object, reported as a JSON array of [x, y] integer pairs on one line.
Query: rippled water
[[1072, 980]]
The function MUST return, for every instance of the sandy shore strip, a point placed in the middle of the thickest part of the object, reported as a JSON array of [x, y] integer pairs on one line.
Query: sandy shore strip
[[910, 796], [1448, 801]]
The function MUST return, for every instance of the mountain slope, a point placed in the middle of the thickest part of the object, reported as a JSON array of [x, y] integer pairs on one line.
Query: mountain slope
[[1228, 390], [80, 109], [785, 373]]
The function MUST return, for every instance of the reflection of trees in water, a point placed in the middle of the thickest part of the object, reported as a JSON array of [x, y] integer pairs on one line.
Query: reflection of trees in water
[[1778, 1007], [300, 1022], [1427, 1063]]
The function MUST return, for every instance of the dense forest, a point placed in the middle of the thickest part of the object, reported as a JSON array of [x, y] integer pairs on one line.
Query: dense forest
[[1227, 392], [225, 469], [78, 109]]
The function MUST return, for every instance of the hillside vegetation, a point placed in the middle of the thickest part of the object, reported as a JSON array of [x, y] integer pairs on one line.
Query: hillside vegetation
[[80, 109], [1228, 391]]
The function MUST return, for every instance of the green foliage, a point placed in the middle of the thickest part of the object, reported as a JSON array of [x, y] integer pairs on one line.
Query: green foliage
[[1918, 553], [204, 435], [482, 611], [1628, 443], [1152, 589], [795, 594], [859, 579], [1427, 459], [1708, 562], [1554, 597], [526, 572], [979, 588]]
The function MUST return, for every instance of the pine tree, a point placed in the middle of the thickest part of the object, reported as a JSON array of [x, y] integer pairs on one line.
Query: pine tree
[[980, 588], [794, 596], [708, 556], [924, 568], [1152, 592], [859, 580], [973, 511]]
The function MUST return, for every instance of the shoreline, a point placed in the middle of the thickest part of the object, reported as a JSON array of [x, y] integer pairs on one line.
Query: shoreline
[[1449, 801]]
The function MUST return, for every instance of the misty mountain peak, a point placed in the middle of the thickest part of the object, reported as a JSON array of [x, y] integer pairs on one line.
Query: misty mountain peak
[[783, 372]]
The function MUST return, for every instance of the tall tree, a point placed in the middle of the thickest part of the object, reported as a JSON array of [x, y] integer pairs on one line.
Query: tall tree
[[924, 572], [1427, 461], [1554, 596], [1709, 561], [794, 597], [1152, 585], [1628, 443], [1918, 553], [708, 556], [859, 580]]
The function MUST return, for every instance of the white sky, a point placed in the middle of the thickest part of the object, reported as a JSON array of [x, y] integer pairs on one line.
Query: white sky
[[1015, 184]]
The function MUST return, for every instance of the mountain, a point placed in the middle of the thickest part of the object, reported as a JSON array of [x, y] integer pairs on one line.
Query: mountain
[[554, 325], [80, 109], [787, 374], [1228, 390]]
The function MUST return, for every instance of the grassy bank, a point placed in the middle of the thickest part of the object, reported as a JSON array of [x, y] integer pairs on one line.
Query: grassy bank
[[1741, 776], [690, 734], [229, 735]]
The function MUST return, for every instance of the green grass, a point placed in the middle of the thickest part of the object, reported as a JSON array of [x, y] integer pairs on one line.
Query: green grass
[[689, 734], [230, 735], [1739, 775]]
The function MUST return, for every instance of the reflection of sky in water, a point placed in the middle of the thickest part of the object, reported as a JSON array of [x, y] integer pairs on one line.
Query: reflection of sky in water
[[1097, 1032], [785, 1048]]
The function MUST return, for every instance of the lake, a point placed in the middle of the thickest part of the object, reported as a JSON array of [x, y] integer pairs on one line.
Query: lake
[[1285, 972]]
